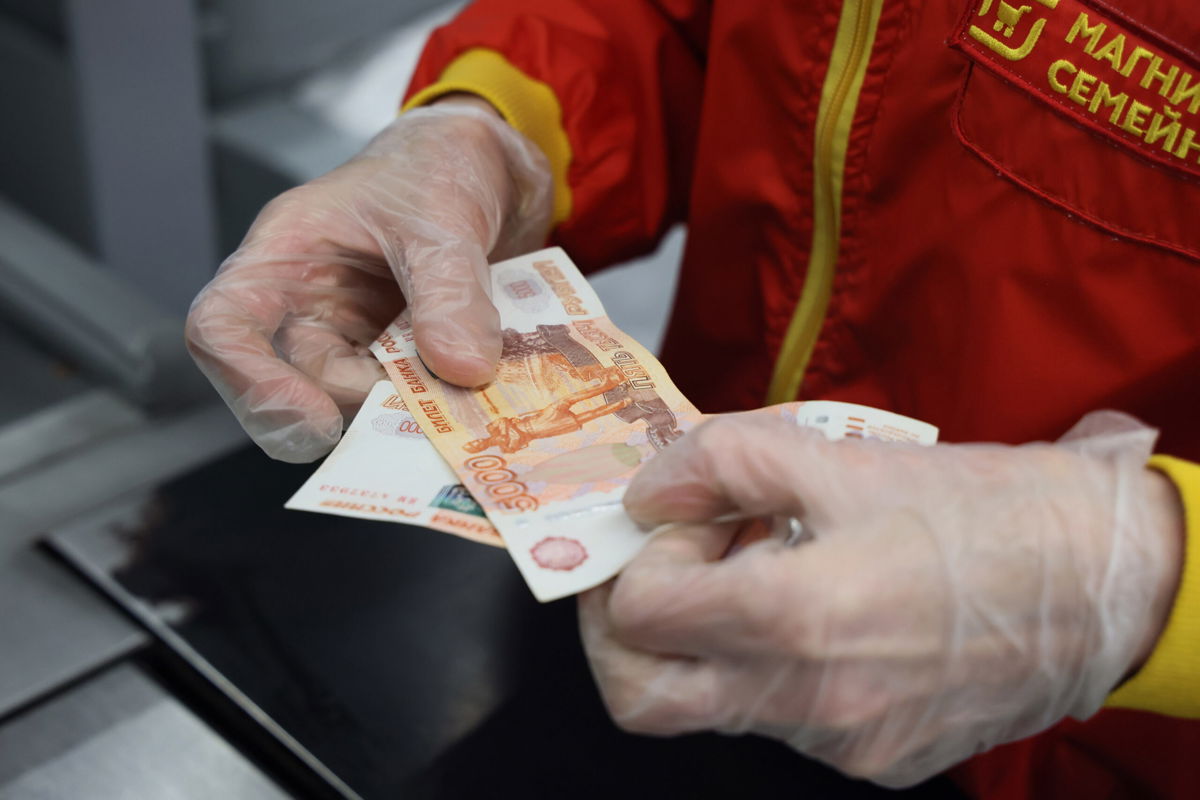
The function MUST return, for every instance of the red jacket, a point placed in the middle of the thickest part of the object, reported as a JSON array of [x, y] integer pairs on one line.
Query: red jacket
[[991, 238]]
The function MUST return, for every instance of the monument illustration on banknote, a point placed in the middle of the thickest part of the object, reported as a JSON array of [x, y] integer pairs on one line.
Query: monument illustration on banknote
[[549, 350], [511, 434]]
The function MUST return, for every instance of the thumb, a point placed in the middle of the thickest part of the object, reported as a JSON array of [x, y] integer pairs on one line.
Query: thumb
[[457, 328], [753, 463]]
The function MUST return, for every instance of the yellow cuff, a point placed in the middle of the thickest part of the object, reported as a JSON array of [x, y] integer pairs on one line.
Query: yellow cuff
[[528, 105], [1169, 683]]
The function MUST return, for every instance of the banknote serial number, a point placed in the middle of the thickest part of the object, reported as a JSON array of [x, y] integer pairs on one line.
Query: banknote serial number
[[500, 483]]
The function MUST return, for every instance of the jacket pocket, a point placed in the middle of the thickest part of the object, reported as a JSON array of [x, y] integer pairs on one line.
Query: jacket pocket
[[1086, 121]]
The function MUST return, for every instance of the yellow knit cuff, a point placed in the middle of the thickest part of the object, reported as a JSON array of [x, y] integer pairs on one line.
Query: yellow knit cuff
[[528, 105], [1169, 683]]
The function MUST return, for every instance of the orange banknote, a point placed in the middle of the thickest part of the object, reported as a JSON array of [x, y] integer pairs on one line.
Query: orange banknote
[[549, 446]]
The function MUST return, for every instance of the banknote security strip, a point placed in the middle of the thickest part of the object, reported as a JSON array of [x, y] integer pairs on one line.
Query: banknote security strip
[[538, 460]]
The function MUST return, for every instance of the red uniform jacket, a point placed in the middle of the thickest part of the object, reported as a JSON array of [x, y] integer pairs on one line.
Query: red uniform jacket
[[995, 208]]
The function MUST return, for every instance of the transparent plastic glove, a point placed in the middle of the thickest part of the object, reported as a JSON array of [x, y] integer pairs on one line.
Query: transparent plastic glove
[[955, 597], [282, 329]]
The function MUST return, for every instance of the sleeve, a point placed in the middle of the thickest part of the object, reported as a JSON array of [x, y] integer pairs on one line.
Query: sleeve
[[609, 90], [1169, 682]]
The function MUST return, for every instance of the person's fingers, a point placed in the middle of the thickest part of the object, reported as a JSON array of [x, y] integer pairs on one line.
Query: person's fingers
[[744, 462], [770, 693], [456, 326], [695, 611], [345, 371], [654, 598], [773, 599], [688, 543], [282, 409], [675, 597], [646, 692], [266, 301]]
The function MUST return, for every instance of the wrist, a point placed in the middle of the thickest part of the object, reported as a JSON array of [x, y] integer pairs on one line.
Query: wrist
[[467, 99], [529, 105]]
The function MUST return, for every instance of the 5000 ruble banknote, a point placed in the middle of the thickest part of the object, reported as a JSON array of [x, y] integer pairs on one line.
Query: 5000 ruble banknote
[[549, 446]]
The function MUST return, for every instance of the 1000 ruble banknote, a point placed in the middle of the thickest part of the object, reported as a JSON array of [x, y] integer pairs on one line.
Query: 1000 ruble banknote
[[548, 447]]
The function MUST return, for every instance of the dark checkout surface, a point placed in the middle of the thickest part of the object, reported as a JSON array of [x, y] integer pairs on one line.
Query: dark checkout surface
[[360, 659]]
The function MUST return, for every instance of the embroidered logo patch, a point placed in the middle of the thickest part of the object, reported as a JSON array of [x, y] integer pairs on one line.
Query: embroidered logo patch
[[1096, 68]]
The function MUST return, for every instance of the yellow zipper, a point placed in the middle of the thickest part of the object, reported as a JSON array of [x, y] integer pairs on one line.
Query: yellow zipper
[[839, 100]]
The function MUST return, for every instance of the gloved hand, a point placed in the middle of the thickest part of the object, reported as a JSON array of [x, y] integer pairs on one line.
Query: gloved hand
[[955, 597], [282, 329]]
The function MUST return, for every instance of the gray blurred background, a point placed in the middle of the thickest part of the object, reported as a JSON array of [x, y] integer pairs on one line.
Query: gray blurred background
[[138, 139]]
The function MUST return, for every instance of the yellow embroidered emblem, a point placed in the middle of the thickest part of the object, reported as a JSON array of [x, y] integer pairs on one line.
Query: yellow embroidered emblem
[[1008, 18]]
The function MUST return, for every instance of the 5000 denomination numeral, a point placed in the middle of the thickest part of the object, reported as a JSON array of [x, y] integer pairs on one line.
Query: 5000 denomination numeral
[[500, 483]]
